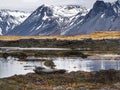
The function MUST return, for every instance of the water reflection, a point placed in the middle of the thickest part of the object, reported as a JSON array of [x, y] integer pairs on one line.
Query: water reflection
[[86, 65], [11, 66]]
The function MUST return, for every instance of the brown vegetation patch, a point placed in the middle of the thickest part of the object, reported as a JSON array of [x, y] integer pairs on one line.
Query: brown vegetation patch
[[95, 36]]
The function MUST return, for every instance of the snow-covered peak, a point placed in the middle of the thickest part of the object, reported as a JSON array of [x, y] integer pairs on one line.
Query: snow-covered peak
[[69, 10], [48, 12], [19, 15], [70, 20], [49, 20], [61, 11], [11, 18]]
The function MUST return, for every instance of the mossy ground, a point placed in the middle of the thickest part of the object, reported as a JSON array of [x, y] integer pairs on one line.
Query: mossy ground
[[92, 81]]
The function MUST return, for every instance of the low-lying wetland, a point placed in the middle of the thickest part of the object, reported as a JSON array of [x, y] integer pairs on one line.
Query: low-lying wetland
[[11, 66], [83, 65]]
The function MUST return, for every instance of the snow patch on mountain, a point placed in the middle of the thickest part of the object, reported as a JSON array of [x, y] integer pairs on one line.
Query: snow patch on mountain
[[49, 20], [102, 17], [68, 11], [10, 19], [70, 20]]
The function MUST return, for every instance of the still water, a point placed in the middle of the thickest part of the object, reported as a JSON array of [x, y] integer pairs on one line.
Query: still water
[[10, 66]]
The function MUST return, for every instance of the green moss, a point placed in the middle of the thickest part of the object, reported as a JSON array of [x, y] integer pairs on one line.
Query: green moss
[[49, 63]]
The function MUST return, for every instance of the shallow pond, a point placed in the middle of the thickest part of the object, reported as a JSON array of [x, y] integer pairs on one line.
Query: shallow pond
[[10, 66]]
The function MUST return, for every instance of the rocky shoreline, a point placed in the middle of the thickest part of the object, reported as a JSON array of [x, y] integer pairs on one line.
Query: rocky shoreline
[[99, 80]]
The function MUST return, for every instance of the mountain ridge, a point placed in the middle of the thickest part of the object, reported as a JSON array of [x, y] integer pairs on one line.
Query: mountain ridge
[[70, 20], [49, 20], [102, 17], [10, 19]]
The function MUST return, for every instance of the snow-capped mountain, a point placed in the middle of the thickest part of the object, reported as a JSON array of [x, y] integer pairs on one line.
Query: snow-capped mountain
[[49, 20], [9, 19], [71, 20], [102, 17]]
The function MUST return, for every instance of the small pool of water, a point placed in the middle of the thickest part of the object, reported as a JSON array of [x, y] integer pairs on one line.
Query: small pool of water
[[78, 64], [10, 66]]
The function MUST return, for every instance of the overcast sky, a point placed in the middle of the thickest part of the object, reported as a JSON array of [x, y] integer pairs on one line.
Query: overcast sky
[[30, 5]]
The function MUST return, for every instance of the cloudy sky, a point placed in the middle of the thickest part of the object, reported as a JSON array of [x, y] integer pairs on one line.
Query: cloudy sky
[[30, 5]]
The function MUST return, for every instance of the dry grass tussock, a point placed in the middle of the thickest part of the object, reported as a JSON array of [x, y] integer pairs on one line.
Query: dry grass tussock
[[95, 36]]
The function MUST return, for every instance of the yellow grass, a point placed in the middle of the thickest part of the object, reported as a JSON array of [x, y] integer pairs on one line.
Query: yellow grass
[[94, 36]]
